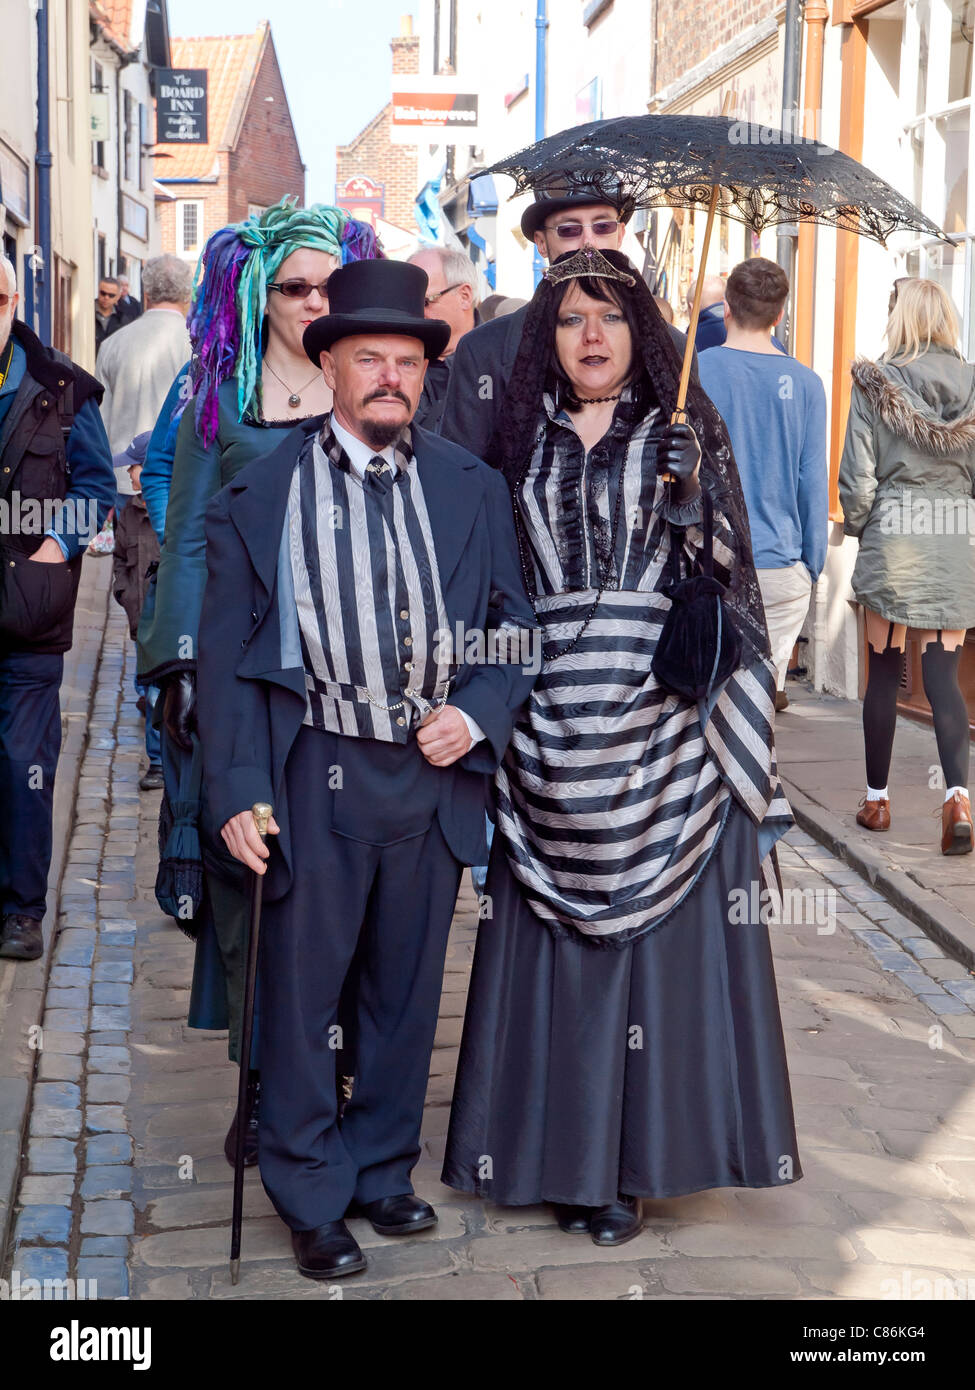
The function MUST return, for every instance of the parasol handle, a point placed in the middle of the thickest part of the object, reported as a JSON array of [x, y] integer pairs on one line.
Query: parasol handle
[[679, 416]]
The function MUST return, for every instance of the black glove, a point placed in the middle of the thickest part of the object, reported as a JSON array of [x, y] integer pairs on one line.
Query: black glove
[[179, 709], [679, 454]]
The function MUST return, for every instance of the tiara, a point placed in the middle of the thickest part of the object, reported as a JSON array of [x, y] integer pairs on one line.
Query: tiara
[[587, 261]]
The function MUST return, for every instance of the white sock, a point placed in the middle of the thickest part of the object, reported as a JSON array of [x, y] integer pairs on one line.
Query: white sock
[[874, 795], [951, 791]]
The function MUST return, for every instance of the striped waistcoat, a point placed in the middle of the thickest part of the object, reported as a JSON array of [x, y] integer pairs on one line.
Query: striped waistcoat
[[374, 629]]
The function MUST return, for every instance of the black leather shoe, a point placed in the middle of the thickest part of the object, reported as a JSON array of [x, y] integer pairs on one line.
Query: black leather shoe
[[617, 1223], [396, 1216], [152, 779], [327, 1252], [575, 1221], [22, 939], [250, 1137]]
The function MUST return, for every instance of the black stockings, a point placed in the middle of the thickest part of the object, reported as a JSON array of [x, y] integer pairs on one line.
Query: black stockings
[[939, 669]]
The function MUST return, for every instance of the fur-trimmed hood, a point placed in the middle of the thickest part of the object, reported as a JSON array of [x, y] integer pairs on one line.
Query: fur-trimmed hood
[[930, 402]]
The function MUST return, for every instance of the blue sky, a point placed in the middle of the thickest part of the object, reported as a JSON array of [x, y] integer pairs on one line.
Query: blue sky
[[334, 57]]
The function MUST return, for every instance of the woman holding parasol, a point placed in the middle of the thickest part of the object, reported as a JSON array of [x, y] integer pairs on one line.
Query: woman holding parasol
[[622, 1038]]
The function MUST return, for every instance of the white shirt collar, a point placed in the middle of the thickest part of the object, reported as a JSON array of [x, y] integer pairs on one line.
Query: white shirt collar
[[359, 452]]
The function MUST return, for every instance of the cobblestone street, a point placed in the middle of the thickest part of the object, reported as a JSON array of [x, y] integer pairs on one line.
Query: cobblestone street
[[125, 1180]]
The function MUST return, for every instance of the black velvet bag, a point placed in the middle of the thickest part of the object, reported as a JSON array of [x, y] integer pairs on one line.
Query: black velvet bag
[[699, 645]]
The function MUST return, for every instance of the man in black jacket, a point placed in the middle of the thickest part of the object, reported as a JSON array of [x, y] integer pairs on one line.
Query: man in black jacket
[[557, 221], [56, 487]]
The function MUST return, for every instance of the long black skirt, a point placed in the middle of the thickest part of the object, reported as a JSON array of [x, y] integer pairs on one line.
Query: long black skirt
[[655, 1069]]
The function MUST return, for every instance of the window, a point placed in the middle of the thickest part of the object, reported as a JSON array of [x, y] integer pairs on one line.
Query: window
[[128, 126], [62, 304], [189, 227], [937, 148], [98, 90]]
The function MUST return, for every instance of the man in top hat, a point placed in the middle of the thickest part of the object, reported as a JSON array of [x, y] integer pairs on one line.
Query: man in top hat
[[342, 570], [559, 220]]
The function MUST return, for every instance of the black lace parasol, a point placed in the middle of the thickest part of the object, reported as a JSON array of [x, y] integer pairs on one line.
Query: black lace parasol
[[766, 176]]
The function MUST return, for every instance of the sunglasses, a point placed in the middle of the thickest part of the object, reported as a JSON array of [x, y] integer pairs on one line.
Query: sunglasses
[[299, 289], [4, 300], [429, 299], [568, 231]]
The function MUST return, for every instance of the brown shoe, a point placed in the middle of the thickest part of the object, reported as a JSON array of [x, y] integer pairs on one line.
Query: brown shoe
[[781, 701], [956, 825], [874, 815]]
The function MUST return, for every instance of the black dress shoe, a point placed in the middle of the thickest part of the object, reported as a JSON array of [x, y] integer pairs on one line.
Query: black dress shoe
[[152, 779], [617, 1223], [396, 1216], [22, 939], [575, 1221], [327, 1252], [250, 1136]]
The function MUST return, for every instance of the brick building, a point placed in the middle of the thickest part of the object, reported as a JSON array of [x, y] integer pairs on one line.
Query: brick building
[[376, 180], [251, 159]]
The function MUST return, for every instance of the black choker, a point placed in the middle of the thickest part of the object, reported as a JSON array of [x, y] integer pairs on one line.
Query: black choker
[[597, 400]]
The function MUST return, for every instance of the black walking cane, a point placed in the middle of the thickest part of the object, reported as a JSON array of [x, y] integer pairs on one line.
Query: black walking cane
[[261, 812]]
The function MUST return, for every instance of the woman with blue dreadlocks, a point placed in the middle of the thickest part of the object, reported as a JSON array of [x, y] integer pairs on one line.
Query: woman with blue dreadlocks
[[258, 286]]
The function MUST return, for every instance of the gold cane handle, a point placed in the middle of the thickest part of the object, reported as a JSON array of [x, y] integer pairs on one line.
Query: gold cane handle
[[261, 812]]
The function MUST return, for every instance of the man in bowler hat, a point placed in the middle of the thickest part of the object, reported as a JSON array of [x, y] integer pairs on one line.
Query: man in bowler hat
[[339, 569]]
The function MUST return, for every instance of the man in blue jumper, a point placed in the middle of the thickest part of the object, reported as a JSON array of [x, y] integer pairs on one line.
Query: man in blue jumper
[[57, 484], [775, 410]]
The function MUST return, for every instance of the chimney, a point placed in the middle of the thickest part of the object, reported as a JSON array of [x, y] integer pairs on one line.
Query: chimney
[[406, 48]]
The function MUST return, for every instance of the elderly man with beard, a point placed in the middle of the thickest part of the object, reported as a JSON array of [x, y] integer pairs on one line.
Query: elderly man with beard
[[340, 567], [56, 487]]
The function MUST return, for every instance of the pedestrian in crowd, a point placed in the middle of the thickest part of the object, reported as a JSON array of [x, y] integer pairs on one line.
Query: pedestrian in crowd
[[452, 297], [907, 479], [710, 321], [775, 412], [497, 305], [622, 1037], [136, 548], [128, 306], [138, 363], [260, 284], [57, 485], [336, 700], [108, 320], [557, 221], [666, 312]]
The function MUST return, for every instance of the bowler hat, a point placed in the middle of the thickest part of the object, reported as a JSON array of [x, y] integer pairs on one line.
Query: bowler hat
[[376, 297], [558, 196]]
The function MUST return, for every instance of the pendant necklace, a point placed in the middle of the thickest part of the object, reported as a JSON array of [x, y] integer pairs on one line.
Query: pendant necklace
[[294, 399]]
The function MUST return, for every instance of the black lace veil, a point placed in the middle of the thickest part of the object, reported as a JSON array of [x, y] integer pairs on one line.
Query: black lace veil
[[536, 371]]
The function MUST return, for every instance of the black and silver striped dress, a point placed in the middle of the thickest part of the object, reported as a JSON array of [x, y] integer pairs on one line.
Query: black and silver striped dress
[[612, 795], [657, 1068]]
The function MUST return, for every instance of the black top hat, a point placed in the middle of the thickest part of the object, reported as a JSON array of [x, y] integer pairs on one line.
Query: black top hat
[[376, 297], [556, 197]]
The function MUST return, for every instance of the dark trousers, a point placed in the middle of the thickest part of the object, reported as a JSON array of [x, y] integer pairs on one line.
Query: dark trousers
[[30, 741], [388, 908]]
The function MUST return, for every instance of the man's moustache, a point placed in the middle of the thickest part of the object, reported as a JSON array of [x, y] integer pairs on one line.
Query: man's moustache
[[387, 395]]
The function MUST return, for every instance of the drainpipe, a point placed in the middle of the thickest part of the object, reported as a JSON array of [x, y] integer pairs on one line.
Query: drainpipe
[[816, 15], [541, 24], [43, 161], [785, 252]]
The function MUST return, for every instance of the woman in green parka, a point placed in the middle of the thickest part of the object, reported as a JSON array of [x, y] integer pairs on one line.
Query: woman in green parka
[[907, 486], [259, 285]]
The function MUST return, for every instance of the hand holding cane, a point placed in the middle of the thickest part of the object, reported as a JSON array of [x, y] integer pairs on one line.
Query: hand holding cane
[[261, 812]]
